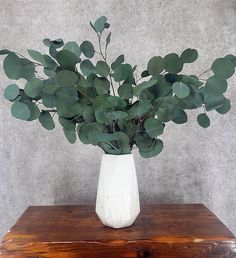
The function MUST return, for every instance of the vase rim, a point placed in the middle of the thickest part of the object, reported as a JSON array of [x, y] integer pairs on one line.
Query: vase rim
[[128, 154]]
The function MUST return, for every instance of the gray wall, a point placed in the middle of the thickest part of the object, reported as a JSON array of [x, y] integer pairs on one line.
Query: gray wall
[[39, 167]]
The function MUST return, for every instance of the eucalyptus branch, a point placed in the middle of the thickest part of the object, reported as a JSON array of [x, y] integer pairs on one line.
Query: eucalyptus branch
[[206, 71], [105, 60]]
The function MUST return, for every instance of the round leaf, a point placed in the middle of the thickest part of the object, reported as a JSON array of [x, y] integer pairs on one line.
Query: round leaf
[[102, 85], [99, 24], [46, 120], [73, 47], [179, 116], [154, 127], [67, 59], [34, 111], [223, 68], [153, 150], [225, 107], [68, 95], [189, 55], [34, 88], [87, 67], [102, 68], [232, 59], [70, 135], [119, 60], [66, 78], [215, 86], [20, 111], [180, 89], [87, 49], [125, 91], [11, 92], [155, 65], [172, 63], [203, 120]]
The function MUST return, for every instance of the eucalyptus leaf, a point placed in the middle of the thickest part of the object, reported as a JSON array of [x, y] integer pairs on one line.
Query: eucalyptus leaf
[[154, 127], [99, 24], [87, 49], [73, 47], [119, 60], [155, 65], [11, 92], [203, 120], [87, 67], [180, 89], [34, 88], [20, 111], [70, 135], [66, 78], [102, 68], [46, 120], [67, 59], [223, 68], [189, 55], [173, 63]]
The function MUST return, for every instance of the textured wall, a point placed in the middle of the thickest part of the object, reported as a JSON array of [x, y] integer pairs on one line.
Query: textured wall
[[197, 165]]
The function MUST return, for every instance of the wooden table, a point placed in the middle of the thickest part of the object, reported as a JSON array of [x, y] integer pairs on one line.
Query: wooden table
[[161, 231]]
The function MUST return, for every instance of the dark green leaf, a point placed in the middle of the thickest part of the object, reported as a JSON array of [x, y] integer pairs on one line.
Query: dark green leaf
[[214, 102], [172, 63], [34, 88], [46, 120], [57, 43], [87, 49], [16, 68], [179, 116], [88, 114], [11, 92], [87, 67], [125, 91], [49, 100], [66, 78], [68, 124], [117, 101], [231, 58], [203, 120], [223, 68], [119, 60], [67, 59], [102, 68], [190, 80], [20, 111], [153, 150], [108, 40], [154, 127], [139, 109], [144, 85], [215, 86], [225, 107], [155, 65], [102, 85], [5, 52], [99, 24], [180, 89], [123, 72], [47, 42], [73, 47], [189, 55], [68, 95], [145, 74], [70, 135], [34, 111], [86, 128]]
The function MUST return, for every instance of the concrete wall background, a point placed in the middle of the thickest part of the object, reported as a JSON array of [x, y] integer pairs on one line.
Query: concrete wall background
[[39, 167]]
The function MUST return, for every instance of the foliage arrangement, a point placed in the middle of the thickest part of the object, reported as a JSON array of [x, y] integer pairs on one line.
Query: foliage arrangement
[[108, 105]]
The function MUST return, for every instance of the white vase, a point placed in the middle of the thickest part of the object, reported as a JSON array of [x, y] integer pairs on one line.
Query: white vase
[[117, 203]]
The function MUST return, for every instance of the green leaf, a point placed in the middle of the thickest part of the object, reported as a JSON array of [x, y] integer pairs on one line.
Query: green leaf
[[143, 140], [5, 52], [144, 85], [16, 68], [223, 68], [66, 78], [203, 120], [36, 55], [154, 127], [123, 72], [153, 150], [102, 85], [180, 89], [87, 67], [68, 95], [215, 86], [179, 116], [88, 114], [125, 91], [225, 107], [57, 43], [108, 40], [34, 111], [102, 68], [68, 124], [47, 42], [99, 24], [139, 109], [172, 63], [189, 55], [155, 65], [11, 92], [192, 81], [49, 100], [46, 120], [231, 58], [34, 88], [87, 49], [73, 47], [116, 101], [20, 111], [67, 59], [145, 74], [70, 135], [50, 86], [86, 128], [119, 60], [214, 102]]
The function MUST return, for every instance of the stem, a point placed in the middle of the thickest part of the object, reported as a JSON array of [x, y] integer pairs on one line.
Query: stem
[[105, 60], [208, 70], [29, 60]]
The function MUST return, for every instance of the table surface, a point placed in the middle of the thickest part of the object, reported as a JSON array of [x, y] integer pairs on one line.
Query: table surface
[[160, 223], [80, 223]]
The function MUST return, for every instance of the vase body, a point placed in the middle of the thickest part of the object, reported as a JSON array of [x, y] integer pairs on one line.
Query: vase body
[[117, 203]]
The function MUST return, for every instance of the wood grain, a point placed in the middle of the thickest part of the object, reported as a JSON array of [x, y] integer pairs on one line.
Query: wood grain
[[161, 231]]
